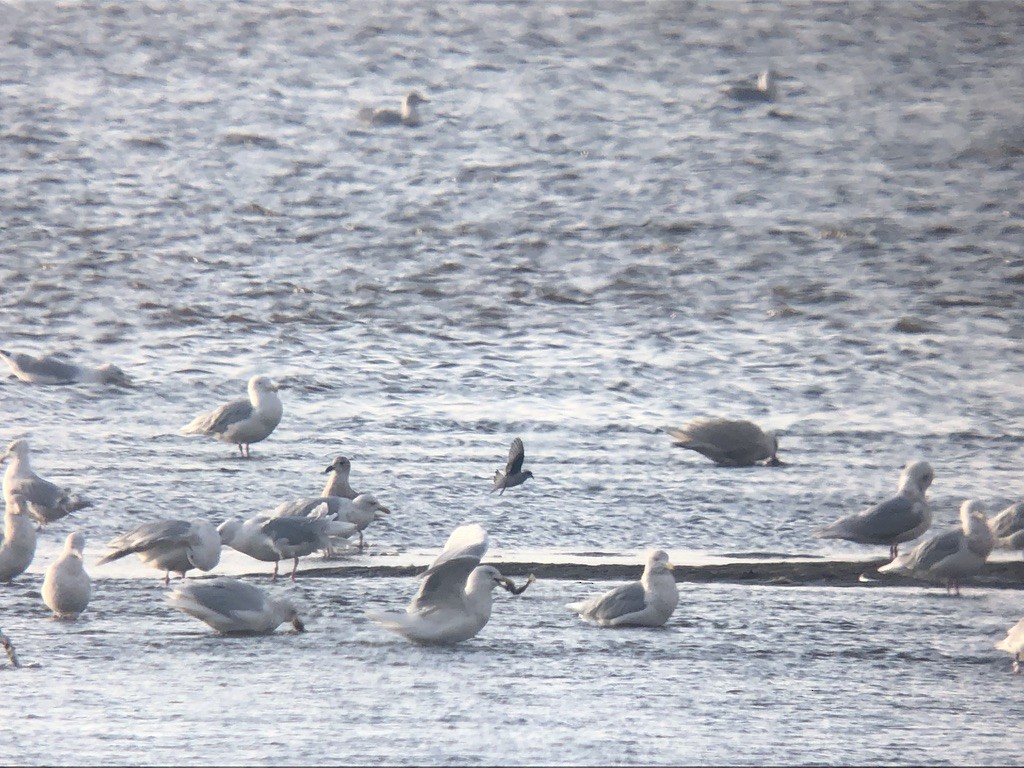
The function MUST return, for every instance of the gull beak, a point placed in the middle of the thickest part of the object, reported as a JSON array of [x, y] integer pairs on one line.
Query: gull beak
[[669, 566], [380, 512], [329, 470], [277, 387]]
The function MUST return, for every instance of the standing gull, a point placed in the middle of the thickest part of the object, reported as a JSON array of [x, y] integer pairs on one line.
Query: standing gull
[[901, 518], [408, 115], [242, 421], [728, 442], [232, 607], [169, 545], [1008, 527], [50, 369], [645, 603], [454, 601], [950, 556], [358, 512], [66, 585], [513, 474], [19, 543], [272, 539], [337, 483], [46, 501]]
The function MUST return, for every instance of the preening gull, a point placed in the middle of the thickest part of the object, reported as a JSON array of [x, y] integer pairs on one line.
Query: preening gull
[[272, 539], [645, 603], [232, 607], [950, 556], [766, 88], [46, 501], [170, 545], [1014, 643], [19, 542], [408, 115], [513, 474], [454, 601], [243, 421], [51, 369], [901, 518], [66, 585], [728, 442], [358, 512], [1008, 527]]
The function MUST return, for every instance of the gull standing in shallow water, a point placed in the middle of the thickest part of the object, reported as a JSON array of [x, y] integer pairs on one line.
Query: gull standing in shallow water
[[1014, 643], [169, 545], [46, 502], [901, 518], [272, 539], [513, 474], [358, 513], [66, 585], [243, 421], [950, 556], [454, 601], [728, 442], [19, 542], [645, 603], [233, 607], [50, 369], [408, 115]]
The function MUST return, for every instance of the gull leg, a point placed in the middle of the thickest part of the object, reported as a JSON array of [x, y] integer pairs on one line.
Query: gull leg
[[167, 578], [274, 576], [1016, 663], [295, 567]]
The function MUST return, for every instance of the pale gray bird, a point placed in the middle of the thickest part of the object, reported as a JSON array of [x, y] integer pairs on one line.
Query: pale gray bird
[[1014, 643], [901, 518], [51, 369], [1008, 527], [233, 607], [46, 501], [19, 542], [66, 585], [952, 555], [728, 442], [337, 483], [358, 512], [513, 474], [645, 603], [243, 421], [272, 539], [169, 545], [408, 115]]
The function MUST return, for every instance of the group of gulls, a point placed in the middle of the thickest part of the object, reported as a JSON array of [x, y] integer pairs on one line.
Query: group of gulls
[[453, 602]]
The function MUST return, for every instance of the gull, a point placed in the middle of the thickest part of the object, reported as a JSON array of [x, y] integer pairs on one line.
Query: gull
[[513, 474], [66, 585], [1008, 527], [645, 603], [950, 556], [46, 501], [408, 115], [169, 545], [454, 601], [233, 607], [337, 483], [765, 90], [52, 369], [1014, 643], [728, 442], [358, 512], [19, 543], [901, 518], [243, 421], [272, 539]]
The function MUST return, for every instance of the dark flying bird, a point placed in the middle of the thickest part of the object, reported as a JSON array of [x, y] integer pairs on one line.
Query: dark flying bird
[[513, 474]]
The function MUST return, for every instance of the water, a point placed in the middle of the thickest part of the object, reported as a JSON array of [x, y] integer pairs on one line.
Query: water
[[585, 241]]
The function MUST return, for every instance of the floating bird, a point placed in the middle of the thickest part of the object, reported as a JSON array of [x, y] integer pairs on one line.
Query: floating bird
[[645, 603], [901, 518], [169, 545], [52, 369], [233, 607], [358, 512], [765, 90], [454, 601], [46, 501], [66, 585], [1008, 527], [409, 115], [272, 539], [950, 556], [1014, 643], [728, 442], [513, 474], [242, 421], [19, 543]]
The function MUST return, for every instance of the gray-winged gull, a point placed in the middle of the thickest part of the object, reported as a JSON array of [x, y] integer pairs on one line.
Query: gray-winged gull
[[19, 542], [513, 474], [243, 421], [766, 88], [46, 501], [169, 545], [337, 483], [1014, 643], [454, 601], [51, 369], [1008, 527], [408, 115], [66, 585], [645, 603], [901, 518], [728, 442], [272, 539], [358, 512], [232, 607], [952, 555]]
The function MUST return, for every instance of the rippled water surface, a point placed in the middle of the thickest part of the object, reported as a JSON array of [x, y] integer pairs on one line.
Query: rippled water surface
[[585, 241]]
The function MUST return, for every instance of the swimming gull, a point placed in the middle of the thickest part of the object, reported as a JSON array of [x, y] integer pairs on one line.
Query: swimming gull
[[408, 115], [66, 585], [1008, 527], [1014, 643], [272, 539], [358, 512], [728, 442], [243, 421], [46, 501], [513, 474], [19, 542], [233, 607], [454, 601], [952, 555], [169, 545], [901, 518], [645, 603], [766, 88], [52, 369]]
